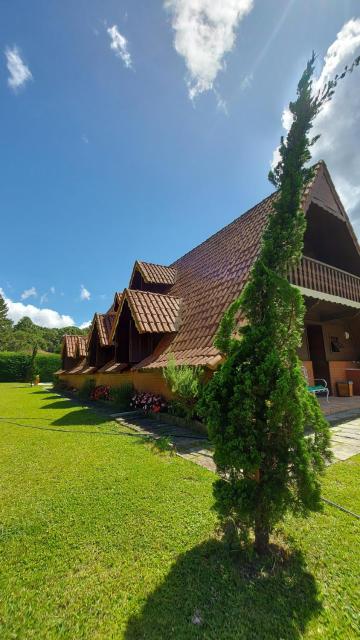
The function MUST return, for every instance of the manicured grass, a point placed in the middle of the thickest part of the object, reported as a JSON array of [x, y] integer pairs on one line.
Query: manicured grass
[[102, 537]]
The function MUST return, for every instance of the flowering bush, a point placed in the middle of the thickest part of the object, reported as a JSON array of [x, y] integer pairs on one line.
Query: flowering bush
[[101, 393], [148, 402]]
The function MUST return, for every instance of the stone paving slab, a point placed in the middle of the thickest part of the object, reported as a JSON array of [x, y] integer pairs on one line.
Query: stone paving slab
[[345, 438]]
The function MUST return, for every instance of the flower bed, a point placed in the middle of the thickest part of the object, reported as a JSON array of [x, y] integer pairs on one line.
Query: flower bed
[[148, 402], [100, 393]]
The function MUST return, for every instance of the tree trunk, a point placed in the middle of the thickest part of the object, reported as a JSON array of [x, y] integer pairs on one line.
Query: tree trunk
[[262, 534]]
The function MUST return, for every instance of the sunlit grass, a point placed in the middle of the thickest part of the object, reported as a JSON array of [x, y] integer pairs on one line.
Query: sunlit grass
[[103, 537]]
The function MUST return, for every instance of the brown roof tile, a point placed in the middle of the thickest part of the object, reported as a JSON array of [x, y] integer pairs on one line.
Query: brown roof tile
[[82, 345], [155, 273], [211, 276], [153, 312], [208, 279], [74, 346], [70, 346], [104, 324]]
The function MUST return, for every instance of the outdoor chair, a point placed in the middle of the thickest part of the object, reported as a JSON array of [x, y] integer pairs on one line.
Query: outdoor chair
[[316, 388]]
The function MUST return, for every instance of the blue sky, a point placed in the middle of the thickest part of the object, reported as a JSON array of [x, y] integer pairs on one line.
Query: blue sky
[[143, 149]]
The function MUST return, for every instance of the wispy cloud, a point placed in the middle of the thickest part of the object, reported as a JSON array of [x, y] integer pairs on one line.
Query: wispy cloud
[[84, 293], [43, 317], [28, 293], [18, 70], [205, 31], [45, 296], [247, 81], [339, 121], [119, 44], [85, 325]]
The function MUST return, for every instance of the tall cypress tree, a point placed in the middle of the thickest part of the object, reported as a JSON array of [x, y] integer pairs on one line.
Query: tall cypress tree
[[257, 405], [5, 324]]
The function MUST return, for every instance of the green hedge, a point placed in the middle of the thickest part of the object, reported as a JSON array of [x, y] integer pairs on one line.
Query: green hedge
[[13, 366]]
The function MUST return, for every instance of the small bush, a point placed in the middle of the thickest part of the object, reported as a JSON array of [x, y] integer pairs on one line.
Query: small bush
[[86, 390], [163, 445], [148, 402], [185, 383], [121, 396], [60, 385]]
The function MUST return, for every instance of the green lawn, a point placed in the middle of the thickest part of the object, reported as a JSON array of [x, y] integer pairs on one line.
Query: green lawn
[[101, 537]]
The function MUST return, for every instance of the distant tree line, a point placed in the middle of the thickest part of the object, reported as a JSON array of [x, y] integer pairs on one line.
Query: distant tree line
[[25, 335]]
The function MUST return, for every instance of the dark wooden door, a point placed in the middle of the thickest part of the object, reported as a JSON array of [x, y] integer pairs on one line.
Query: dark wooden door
[[317, 352]]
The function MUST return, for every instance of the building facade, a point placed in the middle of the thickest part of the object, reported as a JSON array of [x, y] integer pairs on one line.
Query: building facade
[[175, 310]]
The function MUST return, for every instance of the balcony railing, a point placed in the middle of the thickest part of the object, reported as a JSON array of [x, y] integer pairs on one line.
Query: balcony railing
[[318, 276]]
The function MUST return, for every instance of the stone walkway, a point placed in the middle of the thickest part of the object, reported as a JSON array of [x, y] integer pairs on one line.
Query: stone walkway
[[345, 436], [188, 444]]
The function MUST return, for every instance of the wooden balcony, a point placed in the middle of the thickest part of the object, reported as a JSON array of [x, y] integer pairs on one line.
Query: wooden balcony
[[318, 276]]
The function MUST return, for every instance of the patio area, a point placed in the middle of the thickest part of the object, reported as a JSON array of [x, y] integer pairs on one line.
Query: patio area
[[340, 405]]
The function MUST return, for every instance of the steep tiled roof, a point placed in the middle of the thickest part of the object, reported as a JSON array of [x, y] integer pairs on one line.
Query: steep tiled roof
[[153, 312], [104, 324], [74, 346], [155, 273], [208, 279], [82, 345], [70, 346], [116, 302], [211, 276], [201, 285]]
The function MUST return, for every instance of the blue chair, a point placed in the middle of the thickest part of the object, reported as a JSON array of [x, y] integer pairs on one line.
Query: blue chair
[[316, 388]]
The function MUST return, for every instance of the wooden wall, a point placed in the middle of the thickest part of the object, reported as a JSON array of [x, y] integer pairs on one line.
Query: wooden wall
[[152, 381]]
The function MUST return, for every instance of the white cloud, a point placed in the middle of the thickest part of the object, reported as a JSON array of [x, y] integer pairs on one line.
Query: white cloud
[[18, 70], [119, 44], [43, 317], [28, 293], [85, 325], [52, 290], [339, 121], [205, 30], [84, 293]]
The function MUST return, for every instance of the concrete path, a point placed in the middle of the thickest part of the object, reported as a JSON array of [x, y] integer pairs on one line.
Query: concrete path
[[345, 439], [345, 436], [188, 444]]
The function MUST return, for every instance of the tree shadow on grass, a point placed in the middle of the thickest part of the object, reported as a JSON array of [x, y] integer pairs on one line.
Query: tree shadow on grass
[[210, 595], [60, 404]]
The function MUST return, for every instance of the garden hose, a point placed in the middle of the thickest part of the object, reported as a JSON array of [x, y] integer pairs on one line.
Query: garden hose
[[105, 433]]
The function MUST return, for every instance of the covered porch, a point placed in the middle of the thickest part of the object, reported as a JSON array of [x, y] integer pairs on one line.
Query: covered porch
[[331, 342]]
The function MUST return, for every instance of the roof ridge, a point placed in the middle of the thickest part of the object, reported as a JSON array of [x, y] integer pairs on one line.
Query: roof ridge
[[155, 264], [152, 293]]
